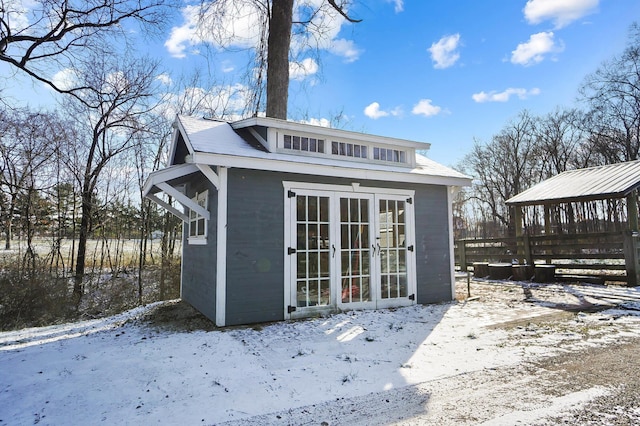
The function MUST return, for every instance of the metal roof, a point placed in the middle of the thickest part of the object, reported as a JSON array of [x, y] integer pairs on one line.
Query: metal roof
[[595, 183]]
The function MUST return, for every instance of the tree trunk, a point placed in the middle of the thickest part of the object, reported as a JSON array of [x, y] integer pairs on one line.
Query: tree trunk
[[82, 243], [8, 233], [279, 42]]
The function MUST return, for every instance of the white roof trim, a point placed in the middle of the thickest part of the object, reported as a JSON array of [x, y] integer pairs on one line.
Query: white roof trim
[[331, 168], [327, 131], [216, 143], [164, 175]]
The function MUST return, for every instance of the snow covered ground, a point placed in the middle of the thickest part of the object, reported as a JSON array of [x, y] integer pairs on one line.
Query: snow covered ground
[[121, 370]]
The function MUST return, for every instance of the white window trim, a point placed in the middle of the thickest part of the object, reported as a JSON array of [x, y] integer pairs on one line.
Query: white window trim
[[201, 199], [278, 137]]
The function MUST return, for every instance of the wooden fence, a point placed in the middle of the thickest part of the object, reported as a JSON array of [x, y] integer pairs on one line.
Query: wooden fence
[[609, 256]]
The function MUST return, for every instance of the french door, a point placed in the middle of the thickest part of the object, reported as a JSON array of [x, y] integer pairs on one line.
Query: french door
[[348, 250]]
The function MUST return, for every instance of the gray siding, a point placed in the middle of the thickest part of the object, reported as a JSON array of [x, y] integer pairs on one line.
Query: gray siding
[[255, 247], [255, 243], [433, 266], [199, 261]]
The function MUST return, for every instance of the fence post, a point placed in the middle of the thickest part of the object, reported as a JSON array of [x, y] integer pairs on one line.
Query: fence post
[[527, 248], [462, 251], [631, 257]]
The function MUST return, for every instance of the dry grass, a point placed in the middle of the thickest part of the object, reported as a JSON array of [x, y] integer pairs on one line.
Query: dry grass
[[40, 293]]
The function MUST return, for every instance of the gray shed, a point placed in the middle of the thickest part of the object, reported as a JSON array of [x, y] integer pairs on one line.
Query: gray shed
[[286, 220]]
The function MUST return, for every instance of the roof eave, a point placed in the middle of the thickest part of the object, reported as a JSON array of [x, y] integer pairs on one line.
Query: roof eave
[[327, 131], [279, 165]]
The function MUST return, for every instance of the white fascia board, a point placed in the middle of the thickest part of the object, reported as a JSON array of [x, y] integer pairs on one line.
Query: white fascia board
[[328, 132], [325, 170], [178, 130], [164, 175], [184, 200]]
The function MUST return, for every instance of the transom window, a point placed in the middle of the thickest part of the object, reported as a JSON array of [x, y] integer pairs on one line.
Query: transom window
[[197, 222], [303, 143], [346, 149], [391, 155]]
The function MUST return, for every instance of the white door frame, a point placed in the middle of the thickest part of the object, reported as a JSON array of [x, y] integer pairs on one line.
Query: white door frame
[[335, 192]]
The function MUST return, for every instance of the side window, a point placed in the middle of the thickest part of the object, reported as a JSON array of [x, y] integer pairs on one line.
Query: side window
[[197, 223]]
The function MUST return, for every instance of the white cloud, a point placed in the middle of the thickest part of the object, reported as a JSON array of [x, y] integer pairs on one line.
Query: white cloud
[[373, 111], [301, 70], [322, 122], [444, 53], [398, 5], [561, 12], [346, 49], [223, 101], [227, 66], [164, 79], [238, 24], [65, 79], [16, 15], [225, 24], [426, 108], [504, 96], [534, 50]]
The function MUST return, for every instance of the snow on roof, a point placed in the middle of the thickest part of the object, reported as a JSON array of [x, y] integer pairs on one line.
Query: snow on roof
[[218, 138]]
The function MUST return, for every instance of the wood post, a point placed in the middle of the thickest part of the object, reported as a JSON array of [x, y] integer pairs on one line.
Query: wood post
[[632, 211], [631, 258], [462, 251]]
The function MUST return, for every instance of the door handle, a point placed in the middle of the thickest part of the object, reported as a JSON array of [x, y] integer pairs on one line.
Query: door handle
[[378, 244], [333, 246], [373, 251]]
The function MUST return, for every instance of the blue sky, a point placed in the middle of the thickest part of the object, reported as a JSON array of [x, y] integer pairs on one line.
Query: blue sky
[[443, 72]]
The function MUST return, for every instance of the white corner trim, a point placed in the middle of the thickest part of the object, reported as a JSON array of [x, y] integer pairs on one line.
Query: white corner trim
[[183, 199], [451, 193], [221, 250], [208, 172]]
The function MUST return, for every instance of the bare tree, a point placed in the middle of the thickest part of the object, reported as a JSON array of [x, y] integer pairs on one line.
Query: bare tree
[[43, 37], [28, 141], [503, 168], [269, 68], [561, 142], [612, 96], [122, 113]]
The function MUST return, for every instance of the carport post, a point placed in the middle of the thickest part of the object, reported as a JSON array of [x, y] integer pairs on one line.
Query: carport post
[[632, 210], [631, 260]]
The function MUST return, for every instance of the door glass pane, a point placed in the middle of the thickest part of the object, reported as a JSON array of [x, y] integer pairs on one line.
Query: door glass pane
[[393, 252], [324, 212], [312, 251], [313, 209], [384, 287], [302, 294], [344, 236], [324, 292], [354, 250], [301, 209], [301, 236], [354, 210]]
